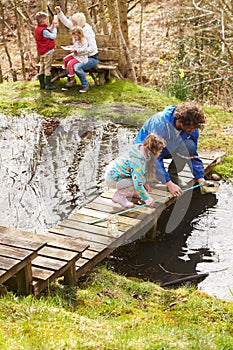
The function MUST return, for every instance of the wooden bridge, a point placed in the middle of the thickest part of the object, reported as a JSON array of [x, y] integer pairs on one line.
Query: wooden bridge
[[29, 261]]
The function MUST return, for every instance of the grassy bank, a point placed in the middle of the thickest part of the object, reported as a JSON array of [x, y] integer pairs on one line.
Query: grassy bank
[[108, 311]]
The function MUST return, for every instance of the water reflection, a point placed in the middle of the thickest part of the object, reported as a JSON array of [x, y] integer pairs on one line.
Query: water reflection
[[214, 231], [44, 175]]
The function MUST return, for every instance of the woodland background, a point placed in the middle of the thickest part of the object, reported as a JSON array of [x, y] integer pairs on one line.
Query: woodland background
[[180, 47]]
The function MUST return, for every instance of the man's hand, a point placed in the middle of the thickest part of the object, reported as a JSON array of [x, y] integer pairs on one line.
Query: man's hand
[[201, 181], [174, 189]]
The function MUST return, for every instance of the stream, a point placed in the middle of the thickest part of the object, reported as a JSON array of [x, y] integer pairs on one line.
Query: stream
[[48, 168]]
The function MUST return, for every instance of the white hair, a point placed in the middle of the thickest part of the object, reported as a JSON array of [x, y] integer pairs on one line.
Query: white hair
[[79, 18]]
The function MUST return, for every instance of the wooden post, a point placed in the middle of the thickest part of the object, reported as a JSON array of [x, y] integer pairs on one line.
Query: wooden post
[[70, 275], [24, 279]]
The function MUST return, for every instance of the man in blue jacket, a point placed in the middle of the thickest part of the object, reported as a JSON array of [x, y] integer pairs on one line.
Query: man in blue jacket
[[178, 126]]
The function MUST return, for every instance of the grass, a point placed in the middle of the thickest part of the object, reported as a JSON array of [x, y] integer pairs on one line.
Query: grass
[[108, 311]]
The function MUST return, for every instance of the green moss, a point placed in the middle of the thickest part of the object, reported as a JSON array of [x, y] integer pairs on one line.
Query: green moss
[[225, 170]]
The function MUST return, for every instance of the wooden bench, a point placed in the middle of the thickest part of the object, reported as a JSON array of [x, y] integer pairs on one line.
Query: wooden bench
[[108, 54], [56, 256], [16, 256]]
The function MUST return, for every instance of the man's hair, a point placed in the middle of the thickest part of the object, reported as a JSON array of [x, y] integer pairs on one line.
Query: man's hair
[[40, 16], [190, 115]]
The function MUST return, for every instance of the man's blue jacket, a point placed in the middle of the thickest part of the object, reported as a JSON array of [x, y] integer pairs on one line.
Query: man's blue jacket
[[163, 124]]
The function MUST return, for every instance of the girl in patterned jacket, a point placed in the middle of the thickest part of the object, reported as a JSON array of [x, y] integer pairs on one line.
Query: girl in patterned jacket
[[128, 175]]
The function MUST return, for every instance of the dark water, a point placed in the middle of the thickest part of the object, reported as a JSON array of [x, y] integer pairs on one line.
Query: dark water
[[201, 243], [45, 175]]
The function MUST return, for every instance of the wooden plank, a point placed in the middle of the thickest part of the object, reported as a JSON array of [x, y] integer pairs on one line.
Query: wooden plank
[[48, 263], [57, 253], [73, 233], [87, 237], [7, 263], [89, 254], [104, 66], [108, 54], [49, 238], [10, 240], [136, 232], [155, 193], [123, 226], [95, 214], [41, 274], [46, 274], [81, 262], [104, 224], [138, 213], [13, 252], [81, 226]]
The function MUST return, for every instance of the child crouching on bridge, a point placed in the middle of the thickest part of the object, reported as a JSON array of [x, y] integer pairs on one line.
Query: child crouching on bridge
[[128, 175]]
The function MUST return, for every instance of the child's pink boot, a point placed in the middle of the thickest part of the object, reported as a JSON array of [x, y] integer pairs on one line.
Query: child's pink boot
[[120, 197], [136, 195]]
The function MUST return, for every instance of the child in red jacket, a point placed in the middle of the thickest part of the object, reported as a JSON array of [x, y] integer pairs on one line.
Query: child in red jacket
[[45, 41]]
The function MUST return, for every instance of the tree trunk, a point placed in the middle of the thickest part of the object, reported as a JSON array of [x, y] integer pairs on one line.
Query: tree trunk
[[122, 5], [103, 22], [42, 6], [83, 8], [140, 42], [20, 44], [1, 76], [2, 15], [125, 63]]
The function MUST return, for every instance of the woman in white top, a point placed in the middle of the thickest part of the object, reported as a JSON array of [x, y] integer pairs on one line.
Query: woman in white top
[[79, 19]]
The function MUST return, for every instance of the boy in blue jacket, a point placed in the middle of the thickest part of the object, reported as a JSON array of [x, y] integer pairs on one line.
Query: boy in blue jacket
[[178, 126]]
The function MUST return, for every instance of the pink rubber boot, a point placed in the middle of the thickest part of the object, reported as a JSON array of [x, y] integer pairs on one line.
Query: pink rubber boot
[[120, 197], [136, 195]]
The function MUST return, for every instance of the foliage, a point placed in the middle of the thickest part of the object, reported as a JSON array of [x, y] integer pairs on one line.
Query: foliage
[[203, 50], [108, 311]]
